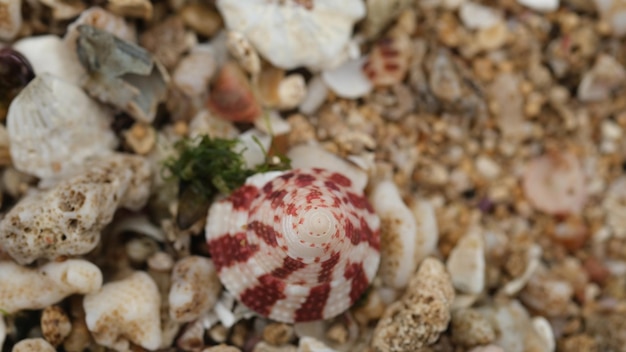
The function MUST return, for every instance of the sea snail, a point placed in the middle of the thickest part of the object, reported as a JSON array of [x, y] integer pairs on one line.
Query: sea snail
[[294, 246]]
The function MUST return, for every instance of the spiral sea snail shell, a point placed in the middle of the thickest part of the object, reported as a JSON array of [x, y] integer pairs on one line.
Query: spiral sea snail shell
[[296, 245]]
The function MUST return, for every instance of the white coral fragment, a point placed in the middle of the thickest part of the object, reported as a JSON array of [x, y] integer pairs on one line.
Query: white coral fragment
[[67, 219], [125, 311], [292, 33], [28, 288], [54, 127], [195, 288]]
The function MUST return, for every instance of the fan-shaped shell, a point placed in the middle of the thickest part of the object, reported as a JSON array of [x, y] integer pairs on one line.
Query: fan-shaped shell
[[299, 245]]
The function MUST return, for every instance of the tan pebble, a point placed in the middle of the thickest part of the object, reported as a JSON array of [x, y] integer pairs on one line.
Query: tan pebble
[[218, 333], [372, 308], [79, 338], [33, 345], [487, 348], [131, 8], [221, 348], [266, 347], [239, 334], [141, 138], [192, 336], [201, 18], [471, 328], [338, 333], [422, 314], [278, 333], [55, 325]]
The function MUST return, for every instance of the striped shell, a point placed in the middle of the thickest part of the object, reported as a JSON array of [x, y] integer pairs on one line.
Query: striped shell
[[295, 246]]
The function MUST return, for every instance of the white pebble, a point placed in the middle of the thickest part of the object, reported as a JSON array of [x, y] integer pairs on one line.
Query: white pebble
[[33, 344], [125, 311], [36, 288], [466, 263], [309, 344], [195, 288], [348, 80], [398, 232], [487, 167], [477, 16], [540, 5], [544, 330]]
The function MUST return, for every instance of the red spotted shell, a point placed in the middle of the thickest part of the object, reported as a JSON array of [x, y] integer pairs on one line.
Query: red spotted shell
[[295, 246]]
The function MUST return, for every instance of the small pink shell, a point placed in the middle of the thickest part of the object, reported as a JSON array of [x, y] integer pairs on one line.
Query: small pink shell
[[554, 183], [294, 246]]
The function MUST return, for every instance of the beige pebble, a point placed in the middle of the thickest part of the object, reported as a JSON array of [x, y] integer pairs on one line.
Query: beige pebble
[[55, 325], [221, 348], [131, 8], [33, 345], [278, 333], [466, 263], [201, 18], [471, 328]]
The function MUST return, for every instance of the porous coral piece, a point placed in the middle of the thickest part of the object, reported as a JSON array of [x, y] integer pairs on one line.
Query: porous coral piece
[[125, 311], [195, 288], [295, 33], [421, 315], [67, 219], [54, 127], [36, 288]]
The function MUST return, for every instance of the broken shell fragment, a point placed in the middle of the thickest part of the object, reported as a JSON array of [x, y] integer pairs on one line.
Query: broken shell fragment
[[54, 127], [102, 19], [121, 73], [605, 77], [292, 34], [245, 54], [195, 288], [125, 311], [295, 246], [348, 80], [37, 288], [67, 219], [555, 183], [231, 96], [58, 61], [11, 19]]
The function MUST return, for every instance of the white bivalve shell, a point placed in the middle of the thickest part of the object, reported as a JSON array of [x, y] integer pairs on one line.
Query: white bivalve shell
[[67, 219], [295, 33], [125, 311], [295, 246], [54, 127]]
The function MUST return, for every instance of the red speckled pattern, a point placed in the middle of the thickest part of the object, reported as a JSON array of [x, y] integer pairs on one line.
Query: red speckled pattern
[[295, 246]]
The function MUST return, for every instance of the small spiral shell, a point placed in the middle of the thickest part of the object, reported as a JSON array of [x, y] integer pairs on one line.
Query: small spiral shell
[[295, 246]]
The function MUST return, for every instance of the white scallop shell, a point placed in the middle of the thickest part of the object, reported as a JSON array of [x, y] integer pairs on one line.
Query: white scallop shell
[[54, 127], [299, 245]]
